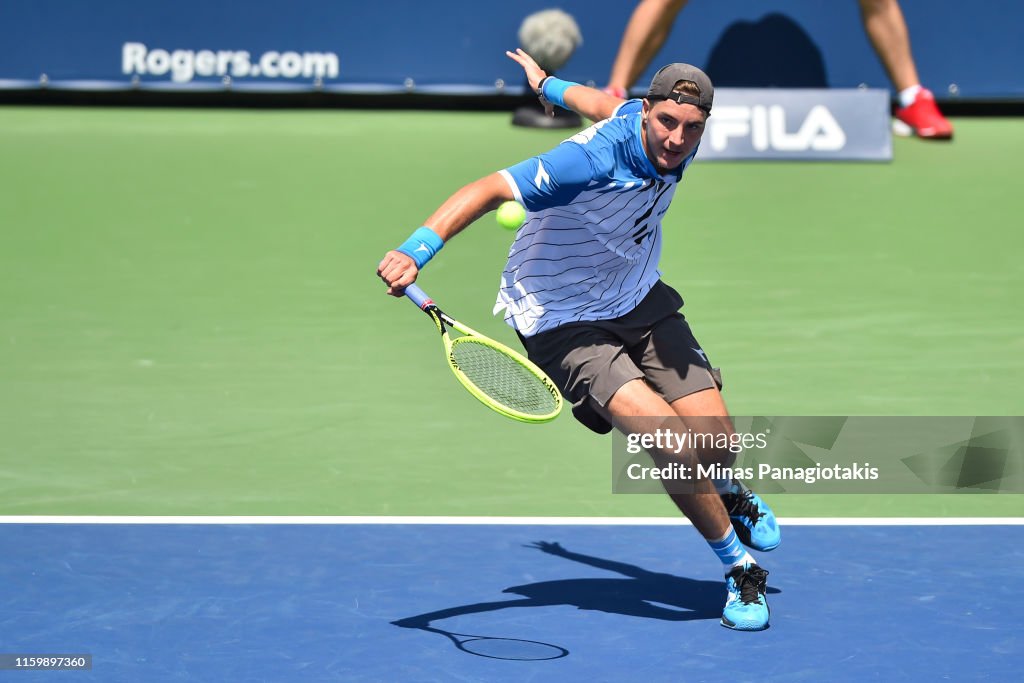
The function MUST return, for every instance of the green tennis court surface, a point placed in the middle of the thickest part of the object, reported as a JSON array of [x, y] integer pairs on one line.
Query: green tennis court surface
[[191, 322]]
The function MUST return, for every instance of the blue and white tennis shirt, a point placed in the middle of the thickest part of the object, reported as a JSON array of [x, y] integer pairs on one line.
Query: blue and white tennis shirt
[[590, 247]]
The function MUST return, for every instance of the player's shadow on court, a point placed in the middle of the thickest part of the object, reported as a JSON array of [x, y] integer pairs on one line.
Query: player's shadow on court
[[646, 594]]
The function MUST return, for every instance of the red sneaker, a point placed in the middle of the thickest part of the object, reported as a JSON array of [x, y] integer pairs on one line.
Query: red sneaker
[[616, 92], [924, 118]]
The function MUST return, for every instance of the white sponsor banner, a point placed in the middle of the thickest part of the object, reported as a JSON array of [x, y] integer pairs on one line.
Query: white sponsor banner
[[816, 124], [182, 66]]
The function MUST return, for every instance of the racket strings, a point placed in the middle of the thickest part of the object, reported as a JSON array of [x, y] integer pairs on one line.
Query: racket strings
[[502, 377]]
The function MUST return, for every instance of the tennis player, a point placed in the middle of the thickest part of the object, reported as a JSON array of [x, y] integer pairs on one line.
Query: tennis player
[[583, 291]]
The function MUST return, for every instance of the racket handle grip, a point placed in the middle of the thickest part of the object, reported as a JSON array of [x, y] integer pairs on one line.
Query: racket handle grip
[[418, 296]]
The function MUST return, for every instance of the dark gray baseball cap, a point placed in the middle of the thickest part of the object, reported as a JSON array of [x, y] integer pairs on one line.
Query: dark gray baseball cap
[[667, 77]]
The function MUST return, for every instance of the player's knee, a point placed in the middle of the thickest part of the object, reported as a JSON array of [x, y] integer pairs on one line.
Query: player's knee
[[689, 441], [711, 439], [718, 455]]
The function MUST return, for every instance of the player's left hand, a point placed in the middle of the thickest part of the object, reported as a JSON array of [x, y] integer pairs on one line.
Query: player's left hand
[[534, 75]]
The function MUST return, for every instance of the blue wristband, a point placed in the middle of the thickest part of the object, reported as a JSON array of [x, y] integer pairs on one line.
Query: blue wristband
[[553, 90], [421, 246]]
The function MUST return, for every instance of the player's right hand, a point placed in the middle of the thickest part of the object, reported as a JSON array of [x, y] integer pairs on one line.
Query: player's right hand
[[398, 271]]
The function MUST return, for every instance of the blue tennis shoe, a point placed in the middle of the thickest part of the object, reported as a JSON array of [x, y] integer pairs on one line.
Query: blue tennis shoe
[[746, 607], [752, 519]]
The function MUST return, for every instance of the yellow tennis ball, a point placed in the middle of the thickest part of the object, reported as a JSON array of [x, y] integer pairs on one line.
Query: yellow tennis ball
[[511, 215]]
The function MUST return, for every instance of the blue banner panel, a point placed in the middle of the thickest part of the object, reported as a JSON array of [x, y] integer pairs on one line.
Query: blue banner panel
[[458, 46]]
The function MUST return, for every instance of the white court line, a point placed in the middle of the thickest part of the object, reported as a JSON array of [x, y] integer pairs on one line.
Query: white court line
[[503, 521]]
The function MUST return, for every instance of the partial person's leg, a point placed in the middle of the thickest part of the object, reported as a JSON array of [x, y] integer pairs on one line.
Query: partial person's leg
[[751, 517], [631, 410], [679, 370], [648, 28], [887, 30]]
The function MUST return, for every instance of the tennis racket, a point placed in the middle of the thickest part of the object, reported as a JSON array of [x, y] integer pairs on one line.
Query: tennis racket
[[497, 376]]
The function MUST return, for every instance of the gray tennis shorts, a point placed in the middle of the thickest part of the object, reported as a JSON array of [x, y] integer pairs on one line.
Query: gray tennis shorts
[[590, 361]]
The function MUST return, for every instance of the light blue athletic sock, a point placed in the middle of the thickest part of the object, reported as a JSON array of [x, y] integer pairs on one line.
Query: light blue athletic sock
[[730, 551]]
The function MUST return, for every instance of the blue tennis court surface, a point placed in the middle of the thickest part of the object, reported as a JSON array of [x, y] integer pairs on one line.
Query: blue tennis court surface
[[609, 603]]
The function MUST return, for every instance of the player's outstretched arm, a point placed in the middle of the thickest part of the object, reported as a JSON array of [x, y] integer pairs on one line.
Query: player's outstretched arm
[[593, 104], [468, 204], [400, 267], [599, 562]]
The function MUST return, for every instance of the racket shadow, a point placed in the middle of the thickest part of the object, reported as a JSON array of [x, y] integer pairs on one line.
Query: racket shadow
[[644, 594]]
